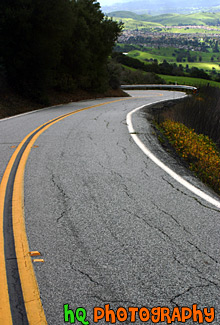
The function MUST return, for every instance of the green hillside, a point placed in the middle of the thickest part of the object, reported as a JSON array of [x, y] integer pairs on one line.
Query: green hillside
[[196, 82], [131, 24], [166, 54], [191, 19], [202, 18], [128, 14]]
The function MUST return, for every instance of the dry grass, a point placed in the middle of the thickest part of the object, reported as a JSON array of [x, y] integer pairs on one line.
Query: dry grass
[[200, 112]]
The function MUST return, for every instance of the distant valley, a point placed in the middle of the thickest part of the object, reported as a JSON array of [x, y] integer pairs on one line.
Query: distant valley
[[188, 43], [156, 7]]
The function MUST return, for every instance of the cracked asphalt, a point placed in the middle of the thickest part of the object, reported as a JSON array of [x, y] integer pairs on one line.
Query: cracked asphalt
[[111, 225]]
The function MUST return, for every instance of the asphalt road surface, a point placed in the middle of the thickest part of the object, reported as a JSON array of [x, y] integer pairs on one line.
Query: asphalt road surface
[[112, 227]]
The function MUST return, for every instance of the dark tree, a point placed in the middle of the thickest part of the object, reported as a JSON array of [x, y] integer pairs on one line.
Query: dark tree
[[216, 49], [55, 43], [92, 41]]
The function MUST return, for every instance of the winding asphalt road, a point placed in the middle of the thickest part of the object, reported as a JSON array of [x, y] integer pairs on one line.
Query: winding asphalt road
[[111, 225]]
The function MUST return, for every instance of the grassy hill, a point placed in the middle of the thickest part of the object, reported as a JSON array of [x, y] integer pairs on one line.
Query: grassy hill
[[196, 82], [198, 19], [131, 24], [191, 19], [128, 14]]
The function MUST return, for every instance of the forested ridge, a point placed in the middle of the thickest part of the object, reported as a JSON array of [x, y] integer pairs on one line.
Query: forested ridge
[[55, 44]]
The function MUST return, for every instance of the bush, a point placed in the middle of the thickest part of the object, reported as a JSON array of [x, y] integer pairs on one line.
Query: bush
[[120, 75], [138, 77]]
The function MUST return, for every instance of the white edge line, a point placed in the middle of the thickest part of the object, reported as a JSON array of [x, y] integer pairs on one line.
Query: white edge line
[[159, 163]]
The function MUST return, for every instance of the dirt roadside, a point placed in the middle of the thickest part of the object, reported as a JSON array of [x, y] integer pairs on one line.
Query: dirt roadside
[[13, 104]]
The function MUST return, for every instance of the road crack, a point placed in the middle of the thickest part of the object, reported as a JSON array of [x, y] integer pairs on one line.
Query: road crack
[[202, 252], [85, 274], [63, 197], [172, 217], [186, 291], [124, 150], [151, 226], [199, 275], [192, 197], [124, 186]]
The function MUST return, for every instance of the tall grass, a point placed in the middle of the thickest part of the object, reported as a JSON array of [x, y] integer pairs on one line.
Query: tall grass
[[200, 112]]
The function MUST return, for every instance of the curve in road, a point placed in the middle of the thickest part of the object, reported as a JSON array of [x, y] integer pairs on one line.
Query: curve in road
[[101, 214], [169, 171], [20, 295]]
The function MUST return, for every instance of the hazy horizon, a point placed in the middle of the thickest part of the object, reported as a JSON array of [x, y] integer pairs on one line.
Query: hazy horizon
[[159, 6], [110, 2]]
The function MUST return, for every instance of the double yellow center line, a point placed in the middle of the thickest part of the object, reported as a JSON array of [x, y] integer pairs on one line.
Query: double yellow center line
[[20, 301]]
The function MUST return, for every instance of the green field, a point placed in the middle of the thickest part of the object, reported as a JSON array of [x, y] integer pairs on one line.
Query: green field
[[166, 54], [206, 66], [190, 31], [163, 54], [189, 81]]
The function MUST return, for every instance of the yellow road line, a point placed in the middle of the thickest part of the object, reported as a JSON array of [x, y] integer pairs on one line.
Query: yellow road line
[[33, 305]]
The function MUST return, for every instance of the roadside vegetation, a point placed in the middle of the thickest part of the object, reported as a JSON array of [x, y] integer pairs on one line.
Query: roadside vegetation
[[192, 128], [198, 150], [200, 112], [121, 74]]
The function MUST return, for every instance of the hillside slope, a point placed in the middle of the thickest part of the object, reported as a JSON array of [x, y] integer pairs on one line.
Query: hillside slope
[[201, 18]]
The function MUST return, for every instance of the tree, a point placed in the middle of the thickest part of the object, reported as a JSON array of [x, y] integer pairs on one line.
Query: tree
[[15, 27], [199, 73], [216, 49], [55, 43], [93, 37], [179, 58], [33, 33]]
